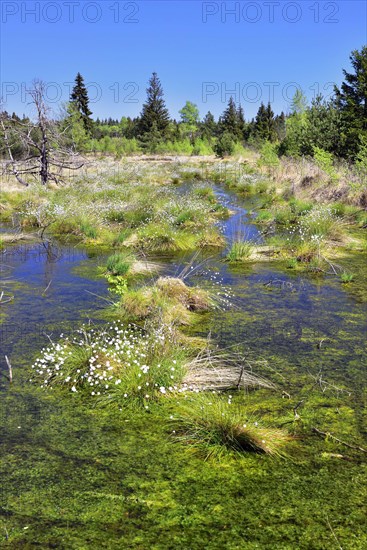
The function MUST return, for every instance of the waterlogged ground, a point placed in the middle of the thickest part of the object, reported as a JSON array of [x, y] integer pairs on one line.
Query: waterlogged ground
[[75, 477]]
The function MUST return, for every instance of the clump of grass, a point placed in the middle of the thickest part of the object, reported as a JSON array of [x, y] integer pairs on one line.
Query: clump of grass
[[347, 277], [193, 298], [212, 424], [210, 238], [119, 263], [322, 222], [88, 229], [113, 365], [240, 251], [205, 193], [169, 301], [164, 238]]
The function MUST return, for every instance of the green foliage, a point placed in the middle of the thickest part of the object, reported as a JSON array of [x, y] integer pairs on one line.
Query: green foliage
[[296, 129], [269, 156], [208, 126], [154, 118], [190, 114], [88, 229], [225, 145], [299, 102], [347, 277], [230, 122], [351, 101], [80, 101], [75, 129], [202, 147], [325, 162], [118, 284], [361, 161], [264, 127]]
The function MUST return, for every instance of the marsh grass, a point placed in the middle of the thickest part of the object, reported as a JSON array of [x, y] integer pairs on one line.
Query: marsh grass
[[113, 364], [240, 251], [119, 263], [169, 300], [212, 424], [347, 277]]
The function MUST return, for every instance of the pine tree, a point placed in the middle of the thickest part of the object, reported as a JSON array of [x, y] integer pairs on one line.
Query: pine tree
[[154, 117], [80, 101]]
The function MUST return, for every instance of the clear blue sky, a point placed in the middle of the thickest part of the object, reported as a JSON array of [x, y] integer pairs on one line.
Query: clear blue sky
[[200, 50]]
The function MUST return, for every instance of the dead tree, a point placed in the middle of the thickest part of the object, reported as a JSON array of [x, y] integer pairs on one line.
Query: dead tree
[[43, 140]]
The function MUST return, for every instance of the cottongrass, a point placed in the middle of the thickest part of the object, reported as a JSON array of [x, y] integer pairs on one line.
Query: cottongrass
[[114, 364]]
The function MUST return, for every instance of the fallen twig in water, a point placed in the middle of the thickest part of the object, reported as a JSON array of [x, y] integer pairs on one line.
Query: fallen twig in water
[[9, 369], [331, 436], [6, 300]]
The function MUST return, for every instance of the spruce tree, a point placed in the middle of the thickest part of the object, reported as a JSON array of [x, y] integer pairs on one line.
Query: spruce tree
[[351, 101], [264, 123], [241, 121], [80, 101], [208, 126], [154, 118], [279, 125], [229, 122]]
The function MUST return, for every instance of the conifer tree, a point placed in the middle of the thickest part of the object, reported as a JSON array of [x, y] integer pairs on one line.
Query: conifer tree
[[154, 117], [229, 122], [264, 123], [241, 121], [351, 101], [208, 126], [80, 101]]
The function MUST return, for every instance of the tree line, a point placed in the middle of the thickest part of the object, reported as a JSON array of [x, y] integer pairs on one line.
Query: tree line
[[337, 125]]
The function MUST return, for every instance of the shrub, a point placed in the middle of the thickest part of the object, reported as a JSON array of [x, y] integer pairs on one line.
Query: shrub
[[325, 161], [225, 145], [268, 156]]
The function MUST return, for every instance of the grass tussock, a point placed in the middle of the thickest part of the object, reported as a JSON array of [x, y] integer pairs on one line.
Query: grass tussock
[[240, 251], [169, 301], [212, 424]]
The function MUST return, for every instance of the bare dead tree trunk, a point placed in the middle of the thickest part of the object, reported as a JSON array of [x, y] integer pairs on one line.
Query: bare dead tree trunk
[[48, 152], [44, 172]]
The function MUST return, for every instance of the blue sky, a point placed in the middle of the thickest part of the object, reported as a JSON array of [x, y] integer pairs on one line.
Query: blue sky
[[202, 51]]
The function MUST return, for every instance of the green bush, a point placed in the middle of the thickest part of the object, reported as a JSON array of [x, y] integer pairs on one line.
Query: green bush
[[325, 161], [225, 145]]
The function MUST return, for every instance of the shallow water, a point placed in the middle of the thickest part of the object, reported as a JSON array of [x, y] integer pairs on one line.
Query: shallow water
[[50, 296], [79, 478]]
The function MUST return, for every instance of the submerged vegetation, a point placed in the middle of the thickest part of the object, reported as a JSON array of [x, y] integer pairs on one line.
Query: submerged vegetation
[[150, 393], [203, 349]]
